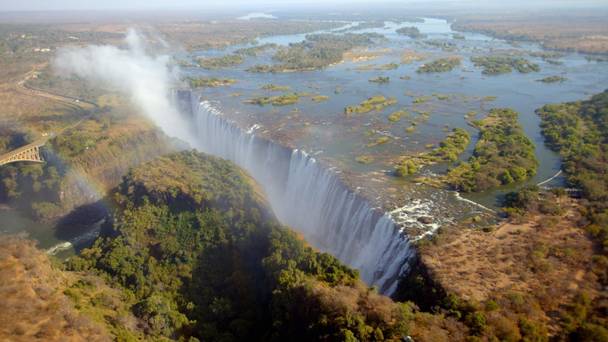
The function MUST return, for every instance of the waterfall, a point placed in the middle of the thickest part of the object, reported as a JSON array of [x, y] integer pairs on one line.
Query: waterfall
[[311, 199]]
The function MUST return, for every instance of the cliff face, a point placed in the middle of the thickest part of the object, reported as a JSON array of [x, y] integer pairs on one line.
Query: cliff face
[[91, 175], [89, 155]]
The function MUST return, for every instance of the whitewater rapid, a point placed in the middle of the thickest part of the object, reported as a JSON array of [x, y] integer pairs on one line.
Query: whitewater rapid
[[311, 199]]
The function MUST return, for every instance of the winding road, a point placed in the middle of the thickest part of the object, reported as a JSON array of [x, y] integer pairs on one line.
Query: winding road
[[31, 151]]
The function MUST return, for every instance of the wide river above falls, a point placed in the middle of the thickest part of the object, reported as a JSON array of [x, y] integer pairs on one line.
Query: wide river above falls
[[322, 128]]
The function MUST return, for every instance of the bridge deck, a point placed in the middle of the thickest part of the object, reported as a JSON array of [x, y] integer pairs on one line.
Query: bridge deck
[[31, 148]]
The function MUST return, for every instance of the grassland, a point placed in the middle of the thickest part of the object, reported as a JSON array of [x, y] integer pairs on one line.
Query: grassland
[[576, 30], [38, 298]]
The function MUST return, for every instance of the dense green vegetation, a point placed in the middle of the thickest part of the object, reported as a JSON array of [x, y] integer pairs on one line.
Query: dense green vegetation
[[579, 131], [202, 257], [440, 65], [448, 151], [213, 82], [553, 79], [220, 62], [501, 64], [396, 116], [410, 31], [279, 100], [319, 98], [316, 52], [255, 50], [443, 44], [374, 103], [547, 55], [275, 87], [503, 155], [452, 146], [32, 187], [380, 79]]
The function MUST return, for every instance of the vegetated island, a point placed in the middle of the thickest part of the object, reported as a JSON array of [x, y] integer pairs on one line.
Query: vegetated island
[[255, 50], [503, 155], [381, 67], [397, 115], [408, 56], [279, 100], [448, 151], [553, 79], [319, 98], [275, 87], [440, 65], [213, 82], [220, 62], [317, 51], [374, 103], [410, 31], [380, 80], [496, 65]]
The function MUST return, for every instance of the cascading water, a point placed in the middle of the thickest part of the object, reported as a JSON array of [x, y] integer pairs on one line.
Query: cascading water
[[311, 199]]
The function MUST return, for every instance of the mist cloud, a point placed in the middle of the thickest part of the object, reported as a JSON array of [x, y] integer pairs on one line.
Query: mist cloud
[[146, 79]]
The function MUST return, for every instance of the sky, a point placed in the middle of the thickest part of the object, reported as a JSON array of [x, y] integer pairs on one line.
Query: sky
[[46, 5]]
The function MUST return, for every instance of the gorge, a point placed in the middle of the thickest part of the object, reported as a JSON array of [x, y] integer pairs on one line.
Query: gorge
[[311, 199]]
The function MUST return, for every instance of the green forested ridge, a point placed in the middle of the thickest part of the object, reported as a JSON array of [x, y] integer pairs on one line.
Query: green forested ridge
[[503, 155], [196, 248], [579, 131]]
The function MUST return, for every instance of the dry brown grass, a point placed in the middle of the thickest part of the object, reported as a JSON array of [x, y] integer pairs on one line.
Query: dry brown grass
[[545, 257], [33, 306], [575, 31]]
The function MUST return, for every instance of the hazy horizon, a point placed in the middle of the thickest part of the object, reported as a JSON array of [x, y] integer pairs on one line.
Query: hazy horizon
[[270, 5]]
